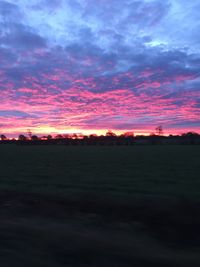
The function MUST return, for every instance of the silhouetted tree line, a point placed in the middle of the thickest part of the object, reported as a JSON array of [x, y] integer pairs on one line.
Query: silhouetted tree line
[[112, 139]]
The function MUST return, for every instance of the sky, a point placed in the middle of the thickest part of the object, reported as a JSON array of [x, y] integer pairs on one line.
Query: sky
[[95, 65]]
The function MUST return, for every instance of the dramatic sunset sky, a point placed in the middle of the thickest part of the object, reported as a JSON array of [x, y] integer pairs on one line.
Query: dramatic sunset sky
[[92, 65]]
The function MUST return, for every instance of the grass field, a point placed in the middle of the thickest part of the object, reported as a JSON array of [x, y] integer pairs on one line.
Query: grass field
[[157, 170], [100, 206]]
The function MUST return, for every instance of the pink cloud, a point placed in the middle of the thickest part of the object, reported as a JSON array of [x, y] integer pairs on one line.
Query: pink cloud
[[59, 100]]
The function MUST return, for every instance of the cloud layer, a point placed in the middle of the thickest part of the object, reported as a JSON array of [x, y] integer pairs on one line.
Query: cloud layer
[[87, 65]]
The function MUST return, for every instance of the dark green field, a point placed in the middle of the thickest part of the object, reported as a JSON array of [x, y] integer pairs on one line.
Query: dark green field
[[157, 170], [99, 206]]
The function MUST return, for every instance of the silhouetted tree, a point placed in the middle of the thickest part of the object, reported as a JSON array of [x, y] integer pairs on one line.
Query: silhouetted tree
[[22, 137], [191, 137], [3, 137], [110, 138], [74, 136], [128, 134], [49, 137], [159, 130], [153, 138], [189, 134], [110, 133], [34, 138], [93, 136], [66, 136], [59, 136]]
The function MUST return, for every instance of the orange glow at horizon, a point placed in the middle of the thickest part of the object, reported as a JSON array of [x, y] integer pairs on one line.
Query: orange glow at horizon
[[49, 130]]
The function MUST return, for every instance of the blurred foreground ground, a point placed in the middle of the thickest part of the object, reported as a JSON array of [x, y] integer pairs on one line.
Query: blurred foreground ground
[[99, 206]]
